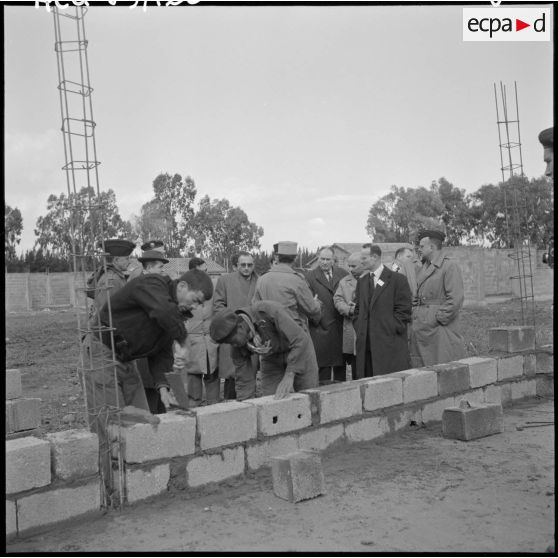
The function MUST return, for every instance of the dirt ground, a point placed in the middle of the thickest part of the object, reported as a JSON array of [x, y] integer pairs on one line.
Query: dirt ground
[[413, 491]]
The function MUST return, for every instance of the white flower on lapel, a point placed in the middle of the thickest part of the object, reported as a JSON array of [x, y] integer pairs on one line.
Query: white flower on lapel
[[380, 283]]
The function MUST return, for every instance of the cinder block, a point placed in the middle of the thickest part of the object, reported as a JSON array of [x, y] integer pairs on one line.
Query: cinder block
[[11, 519], [277, 416], [144, 483], [336, 401], [432, 412], [174, 436], [27, 464], [493, 394], [475, 397], [226, 423], [506, 394], [510, 367], [366, 429], [453, 377], [298, 476], [216, 467], [74, 453], [418, 384], [402, 418], [13, 384], [525, 388], [382, 392], [545, 385], [259, 454], [321, 438], [545, 358], [52, 506], [472, 422], [511, 339], [529, 364], [482, 370], [23, 414]]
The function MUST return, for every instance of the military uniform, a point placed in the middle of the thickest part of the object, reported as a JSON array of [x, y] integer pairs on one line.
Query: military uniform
[[290, 349]]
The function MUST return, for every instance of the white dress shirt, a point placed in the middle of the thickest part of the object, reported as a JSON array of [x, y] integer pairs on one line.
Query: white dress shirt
[[376, 274]]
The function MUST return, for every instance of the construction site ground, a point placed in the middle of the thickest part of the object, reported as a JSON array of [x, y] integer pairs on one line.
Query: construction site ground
[[413, 491]]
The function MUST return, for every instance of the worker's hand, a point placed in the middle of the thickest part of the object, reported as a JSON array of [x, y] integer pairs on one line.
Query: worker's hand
[[167, 397], [285, 386], [180, 354]]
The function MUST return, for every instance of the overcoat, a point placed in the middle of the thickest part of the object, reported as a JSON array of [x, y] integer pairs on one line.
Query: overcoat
[[231, 291], [344, 295], [202, 357], [383, 318], [327, 335], [435, 336]]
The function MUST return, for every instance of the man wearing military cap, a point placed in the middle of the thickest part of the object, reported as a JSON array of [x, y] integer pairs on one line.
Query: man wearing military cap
[[288, 287], [546, 137], [152, 260], [435, 335], [153, 245], [288, 361]]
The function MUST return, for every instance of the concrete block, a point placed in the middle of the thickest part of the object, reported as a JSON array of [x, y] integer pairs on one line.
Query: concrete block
[[432, 412], [545, 385], [525, 388], [27, 464], [321, 438], [493, 394], [453, 377], [529, 364], [52, 506], [11, 519], [13, 384], [259, 454], [217, 467], [475, 397], [545, 358], [510, 367], [382, 392], [472, 422], [144, 483], [366, 429], [23, 414], [174, 436], [418, 384], [482, 370], [336, 401], [506, 394], [277, 416], [226, 423], [298, 476], [74, 453], [511, 339], [402, 418]]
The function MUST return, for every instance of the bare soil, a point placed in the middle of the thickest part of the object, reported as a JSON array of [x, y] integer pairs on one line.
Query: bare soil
[[414, 491]]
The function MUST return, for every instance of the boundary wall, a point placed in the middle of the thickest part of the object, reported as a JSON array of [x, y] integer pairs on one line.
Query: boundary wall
[[190, 449]]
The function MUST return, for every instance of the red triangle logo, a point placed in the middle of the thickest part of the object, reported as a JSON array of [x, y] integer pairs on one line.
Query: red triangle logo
[[519, 25]]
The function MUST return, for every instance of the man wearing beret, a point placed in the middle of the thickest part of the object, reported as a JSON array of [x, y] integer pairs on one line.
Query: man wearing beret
[[288, 287], [435, 335], [546, 137], [288, 361]]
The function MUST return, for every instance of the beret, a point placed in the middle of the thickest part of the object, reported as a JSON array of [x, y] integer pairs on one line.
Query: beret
[[153, 245], [153, 256], [117, 247], [223, 324], [285, 248], [431, 234], [546, 137]]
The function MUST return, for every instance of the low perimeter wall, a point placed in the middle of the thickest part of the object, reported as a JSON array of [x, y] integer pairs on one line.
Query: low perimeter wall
[[52, 480]]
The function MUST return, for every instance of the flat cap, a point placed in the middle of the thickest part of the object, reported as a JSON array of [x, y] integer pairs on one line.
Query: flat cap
[[117, 247], [223, 324], [153, 245], [431, 234], [546, 137], [285, 248], [153, 256]]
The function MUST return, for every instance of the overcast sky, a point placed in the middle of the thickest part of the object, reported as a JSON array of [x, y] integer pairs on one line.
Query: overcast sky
[[303, 116]]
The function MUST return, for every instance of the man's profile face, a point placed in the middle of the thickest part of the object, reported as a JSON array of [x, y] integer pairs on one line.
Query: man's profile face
[[121, 262], [425, 248], [549, 160], [245, 265], [325, 261], [240, 337], [366, 263], [154, 267], [406, 255]]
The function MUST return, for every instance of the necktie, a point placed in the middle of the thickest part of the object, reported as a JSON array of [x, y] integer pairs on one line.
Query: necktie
[[371, 288]]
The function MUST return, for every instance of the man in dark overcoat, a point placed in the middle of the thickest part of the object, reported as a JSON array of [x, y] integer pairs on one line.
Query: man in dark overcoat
[[327, 334], [382, 313]]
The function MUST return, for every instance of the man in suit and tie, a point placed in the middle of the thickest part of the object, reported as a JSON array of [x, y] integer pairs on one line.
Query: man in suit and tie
[[327, 334], [382, 311]]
